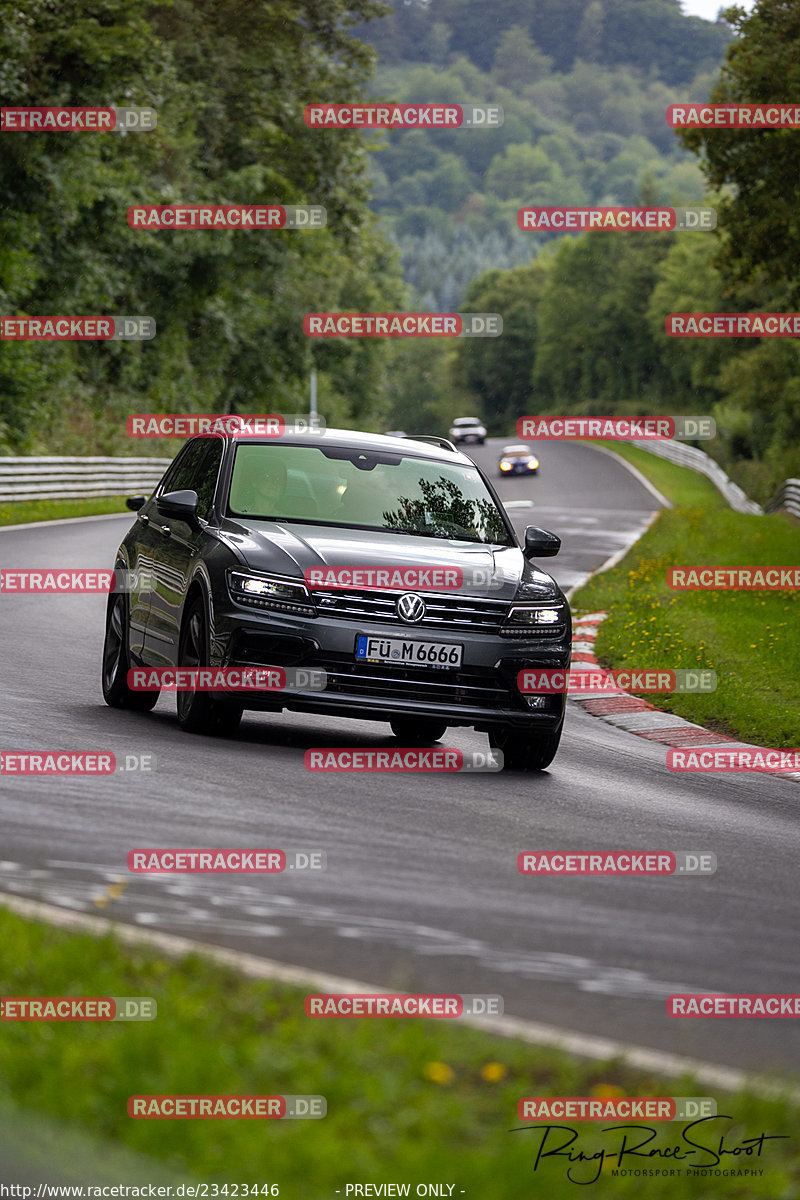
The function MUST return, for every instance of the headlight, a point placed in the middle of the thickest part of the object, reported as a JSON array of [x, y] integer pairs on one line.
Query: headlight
[[533, 464], [526, 620], [505, 466], [271, 592]]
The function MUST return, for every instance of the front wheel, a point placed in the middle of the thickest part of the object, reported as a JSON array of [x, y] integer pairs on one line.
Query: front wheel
[[413, 732], [116, 661], [199, 712], [525, 752]]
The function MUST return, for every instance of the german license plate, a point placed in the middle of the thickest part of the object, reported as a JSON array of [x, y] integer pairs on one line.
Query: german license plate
[[403, 652]]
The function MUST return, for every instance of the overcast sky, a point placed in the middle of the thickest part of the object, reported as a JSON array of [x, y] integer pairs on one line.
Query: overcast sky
[[710, 8]]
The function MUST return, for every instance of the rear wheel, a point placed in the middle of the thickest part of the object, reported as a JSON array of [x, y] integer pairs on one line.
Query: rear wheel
[[199, 712], [526, 752], [414, 732], [116, 661]]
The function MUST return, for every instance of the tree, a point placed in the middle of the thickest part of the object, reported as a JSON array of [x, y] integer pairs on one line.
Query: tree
[[518, 60], [762, 66]]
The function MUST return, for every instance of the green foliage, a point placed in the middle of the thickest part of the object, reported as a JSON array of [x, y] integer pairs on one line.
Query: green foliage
[[230, 84]]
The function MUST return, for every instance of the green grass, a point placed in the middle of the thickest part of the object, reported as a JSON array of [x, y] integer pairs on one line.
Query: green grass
[[19, 512], [749, 638], [408, 1101]]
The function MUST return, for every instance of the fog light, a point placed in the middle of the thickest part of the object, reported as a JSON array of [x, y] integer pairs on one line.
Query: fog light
[[536, 701]]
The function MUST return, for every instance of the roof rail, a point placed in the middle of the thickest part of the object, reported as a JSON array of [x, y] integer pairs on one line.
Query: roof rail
[[435, 441]]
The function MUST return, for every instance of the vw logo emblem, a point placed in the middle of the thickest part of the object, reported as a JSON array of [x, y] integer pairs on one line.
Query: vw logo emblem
[[410, 608]]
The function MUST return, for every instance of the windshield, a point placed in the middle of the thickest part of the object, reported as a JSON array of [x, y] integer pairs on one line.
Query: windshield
[[364, 489]]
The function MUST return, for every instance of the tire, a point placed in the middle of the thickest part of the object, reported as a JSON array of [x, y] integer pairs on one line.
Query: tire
[[530, 752], [116, 661], [199, 712], [413, 731]]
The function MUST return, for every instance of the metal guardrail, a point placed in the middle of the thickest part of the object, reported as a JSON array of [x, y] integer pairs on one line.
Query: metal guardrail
[[786, 498], [59, 478], [698, 460]]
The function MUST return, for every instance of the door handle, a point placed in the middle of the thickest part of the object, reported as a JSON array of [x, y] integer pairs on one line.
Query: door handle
[[165, 529], [143, 517]]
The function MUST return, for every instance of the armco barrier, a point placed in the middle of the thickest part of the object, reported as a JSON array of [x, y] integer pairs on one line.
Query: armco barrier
[[58, 478], [786, 498], [698, 460]]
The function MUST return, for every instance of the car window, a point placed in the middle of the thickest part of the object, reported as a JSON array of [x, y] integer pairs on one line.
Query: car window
[[196, 468], [387, 490]]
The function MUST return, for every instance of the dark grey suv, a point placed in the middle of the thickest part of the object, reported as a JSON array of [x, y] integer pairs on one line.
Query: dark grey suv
[[232, 559]]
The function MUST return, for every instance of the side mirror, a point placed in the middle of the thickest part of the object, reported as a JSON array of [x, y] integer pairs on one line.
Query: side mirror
[[181, 505], [134, 503], [539, 543]]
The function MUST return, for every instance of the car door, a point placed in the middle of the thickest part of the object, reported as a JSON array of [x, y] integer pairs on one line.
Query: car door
[[178, 545]]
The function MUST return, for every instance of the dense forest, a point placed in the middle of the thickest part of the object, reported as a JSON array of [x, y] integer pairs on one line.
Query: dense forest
[[416, 220]]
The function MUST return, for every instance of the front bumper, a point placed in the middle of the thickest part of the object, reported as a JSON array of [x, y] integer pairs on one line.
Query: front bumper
[[482, 693]]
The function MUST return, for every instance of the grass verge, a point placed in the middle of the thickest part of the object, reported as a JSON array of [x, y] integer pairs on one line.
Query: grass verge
[[748, 638], [408, 1101], [22, 512]]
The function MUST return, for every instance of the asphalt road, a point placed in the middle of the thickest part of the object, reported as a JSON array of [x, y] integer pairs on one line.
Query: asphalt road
[[422, 890]]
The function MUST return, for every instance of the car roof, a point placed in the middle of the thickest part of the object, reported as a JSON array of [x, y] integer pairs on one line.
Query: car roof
[[358, 440], [516, 449], [467, 421]]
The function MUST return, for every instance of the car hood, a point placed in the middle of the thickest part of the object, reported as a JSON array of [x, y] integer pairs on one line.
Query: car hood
[[291, 548]]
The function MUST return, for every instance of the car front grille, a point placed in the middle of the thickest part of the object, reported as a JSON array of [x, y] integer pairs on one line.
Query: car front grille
[[442, 611], [472, 687]]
